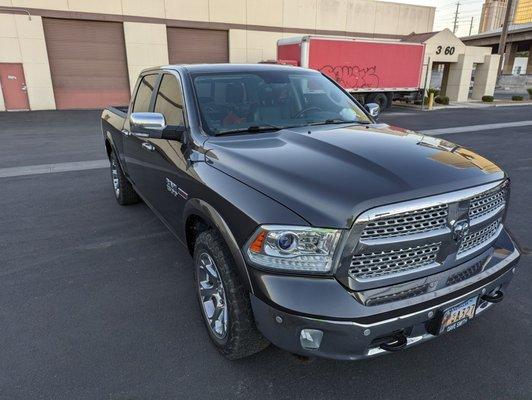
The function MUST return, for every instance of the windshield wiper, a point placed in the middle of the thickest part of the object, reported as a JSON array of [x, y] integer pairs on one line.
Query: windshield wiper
[[338, 121], [252, 129]]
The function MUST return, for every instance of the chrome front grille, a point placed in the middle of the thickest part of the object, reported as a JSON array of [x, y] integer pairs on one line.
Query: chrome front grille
[[390, 243], [374, 265], [487, 203], [479, 237], [408, 223]]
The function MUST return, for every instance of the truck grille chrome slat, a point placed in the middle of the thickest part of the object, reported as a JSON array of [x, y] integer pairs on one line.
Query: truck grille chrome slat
[[418, 221], [405, 238], [479, 237], [373, 265], [486, 203]]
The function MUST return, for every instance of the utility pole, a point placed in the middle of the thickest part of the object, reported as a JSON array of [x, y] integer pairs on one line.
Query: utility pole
[[471, 26], [455, 26], [504, 34]]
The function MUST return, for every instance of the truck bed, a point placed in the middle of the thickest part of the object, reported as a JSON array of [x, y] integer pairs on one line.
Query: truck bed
[[114, 116]]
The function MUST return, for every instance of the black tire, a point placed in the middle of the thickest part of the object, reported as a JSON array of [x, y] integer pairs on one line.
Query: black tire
[[389, 99], [379, 98], [241, 337], [123, 190]]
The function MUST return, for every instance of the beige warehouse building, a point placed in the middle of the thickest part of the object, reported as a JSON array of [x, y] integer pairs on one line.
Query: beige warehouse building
[[87, 53]]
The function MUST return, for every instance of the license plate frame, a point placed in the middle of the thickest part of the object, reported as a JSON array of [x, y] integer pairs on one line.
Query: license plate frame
[[457, 315]]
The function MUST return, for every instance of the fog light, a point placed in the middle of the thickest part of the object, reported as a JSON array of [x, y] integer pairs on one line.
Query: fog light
[[310, 338]]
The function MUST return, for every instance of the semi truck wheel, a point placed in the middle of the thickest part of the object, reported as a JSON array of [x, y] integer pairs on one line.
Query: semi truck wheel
[[223, 301], [379, 98]]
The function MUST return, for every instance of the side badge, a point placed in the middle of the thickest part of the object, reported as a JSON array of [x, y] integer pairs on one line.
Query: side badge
[[176, 191]]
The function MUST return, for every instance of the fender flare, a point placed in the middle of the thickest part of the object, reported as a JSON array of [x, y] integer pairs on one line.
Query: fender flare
[[109, 139], [207, 212]]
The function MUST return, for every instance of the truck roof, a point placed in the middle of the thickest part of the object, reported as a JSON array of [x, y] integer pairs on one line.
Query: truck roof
[[203, 68]]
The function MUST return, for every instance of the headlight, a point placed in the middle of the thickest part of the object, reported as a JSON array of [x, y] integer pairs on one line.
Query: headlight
[[293, 248]]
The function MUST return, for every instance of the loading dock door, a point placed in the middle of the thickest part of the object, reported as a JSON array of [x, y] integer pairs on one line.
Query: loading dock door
[[194, 46], [87, 62]]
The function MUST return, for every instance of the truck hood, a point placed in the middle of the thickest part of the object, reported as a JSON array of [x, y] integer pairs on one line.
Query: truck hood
[[330, 174]]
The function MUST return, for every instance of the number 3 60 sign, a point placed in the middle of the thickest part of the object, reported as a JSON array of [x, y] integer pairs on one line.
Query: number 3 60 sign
[[448, 51]]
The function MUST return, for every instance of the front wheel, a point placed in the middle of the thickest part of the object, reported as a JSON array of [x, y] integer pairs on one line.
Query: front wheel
[[223, 301]]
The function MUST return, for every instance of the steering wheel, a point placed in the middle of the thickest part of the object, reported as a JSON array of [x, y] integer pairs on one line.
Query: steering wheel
[[306, 110], [211, 109]]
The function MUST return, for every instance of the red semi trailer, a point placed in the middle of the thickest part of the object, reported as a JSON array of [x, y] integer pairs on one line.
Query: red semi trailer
[[375, 71]]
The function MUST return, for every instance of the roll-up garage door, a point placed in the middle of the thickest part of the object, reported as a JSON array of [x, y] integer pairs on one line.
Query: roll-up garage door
[[88, 63], [193, 46]]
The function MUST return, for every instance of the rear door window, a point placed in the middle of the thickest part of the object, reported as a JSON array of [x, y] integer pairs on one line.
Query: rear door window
[[144, 92]]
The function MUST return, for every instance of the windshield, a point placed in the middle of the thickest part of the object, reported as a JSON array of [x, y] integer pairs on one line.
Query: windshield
[[263, 100]]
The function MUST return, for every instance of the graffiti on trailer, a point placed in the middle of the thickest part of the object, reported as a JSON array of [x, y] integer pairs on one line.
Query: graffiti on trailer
[[352, 76]]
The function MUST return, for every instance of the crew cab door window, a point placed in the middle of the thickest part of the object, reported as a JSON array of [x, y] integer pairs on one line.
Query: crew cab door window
[[144, 92], [136, 156], [169, 100]]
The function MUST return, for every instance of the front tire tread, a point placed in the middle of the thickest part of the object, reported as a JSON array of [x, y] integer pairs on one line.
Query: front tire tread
[[243, 338]]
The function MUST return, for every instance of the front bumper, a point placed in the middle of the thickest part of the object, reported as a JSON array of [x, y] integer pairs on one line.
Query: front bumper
[[351, 330]]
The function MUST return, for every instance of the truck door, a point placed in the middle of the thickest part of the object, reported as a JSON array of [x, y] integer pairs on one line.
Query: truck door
[[159, 165], [168, 166], [137, 151]]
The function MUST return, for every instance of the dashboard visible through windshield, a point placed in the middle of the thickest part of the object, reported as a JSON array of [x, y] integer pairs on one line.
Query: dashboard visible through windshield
[[271, 100]]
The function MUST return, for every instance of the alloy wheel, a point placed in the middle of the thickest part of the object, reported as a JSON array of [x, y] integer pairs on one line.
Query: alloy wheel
[[212, 295]]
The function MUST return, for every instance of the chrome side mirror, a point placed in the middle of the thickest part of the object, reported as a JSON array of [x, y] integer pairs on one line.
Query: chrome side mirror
[[147, 124], [373, 109]]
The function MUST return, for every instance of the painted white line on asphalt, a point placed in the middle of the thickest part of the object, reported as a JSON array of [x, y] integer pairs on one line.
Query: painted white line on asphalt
[[397, 113], [97, 164], [53, 168], [475, 128]]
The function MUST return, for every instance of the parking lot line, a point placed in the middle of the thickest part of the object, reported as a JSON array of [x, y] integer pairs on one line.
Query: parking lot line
[[97, 164], [475, 128], [53, 168]]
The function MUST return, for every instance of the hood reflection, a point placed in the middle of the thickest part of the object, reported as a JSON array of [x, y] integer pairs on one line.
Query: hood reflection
[[449, 154]]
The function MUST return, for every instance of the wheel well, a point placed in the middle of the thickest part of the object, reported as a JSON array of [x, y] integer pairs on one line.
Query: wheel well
[[108, 147], [193, 227]]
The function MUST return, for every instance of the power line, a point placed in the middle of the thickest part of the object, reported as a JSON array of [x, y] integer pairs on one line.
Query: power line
[[465, 2]]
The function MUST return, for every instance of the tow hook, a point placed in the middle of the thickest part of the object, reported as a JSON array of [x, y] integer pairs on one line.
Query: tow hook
[[493, 298], [394, 343]]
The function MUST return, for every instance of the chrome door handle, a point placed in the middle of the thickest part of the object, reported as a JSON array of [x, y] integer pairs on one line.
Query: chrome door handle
[[148, 146]]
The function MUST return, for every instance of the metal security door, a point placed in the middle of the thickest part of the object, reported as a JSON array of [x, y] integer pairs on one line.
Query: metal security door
[[14, 87]]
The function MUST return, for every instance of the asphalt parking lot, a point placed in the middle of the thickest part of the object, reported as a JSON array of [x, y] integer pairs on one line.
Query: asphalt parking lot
[[97, 300]]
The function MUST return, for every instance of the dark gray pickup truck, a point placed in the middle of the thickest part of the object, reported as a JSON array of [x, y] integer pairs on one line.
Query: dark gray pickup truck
[[311, 225]]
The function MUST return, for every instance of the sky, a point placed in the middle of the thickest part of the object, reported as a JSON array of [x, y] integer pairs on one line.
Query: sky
[[445, 10]]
